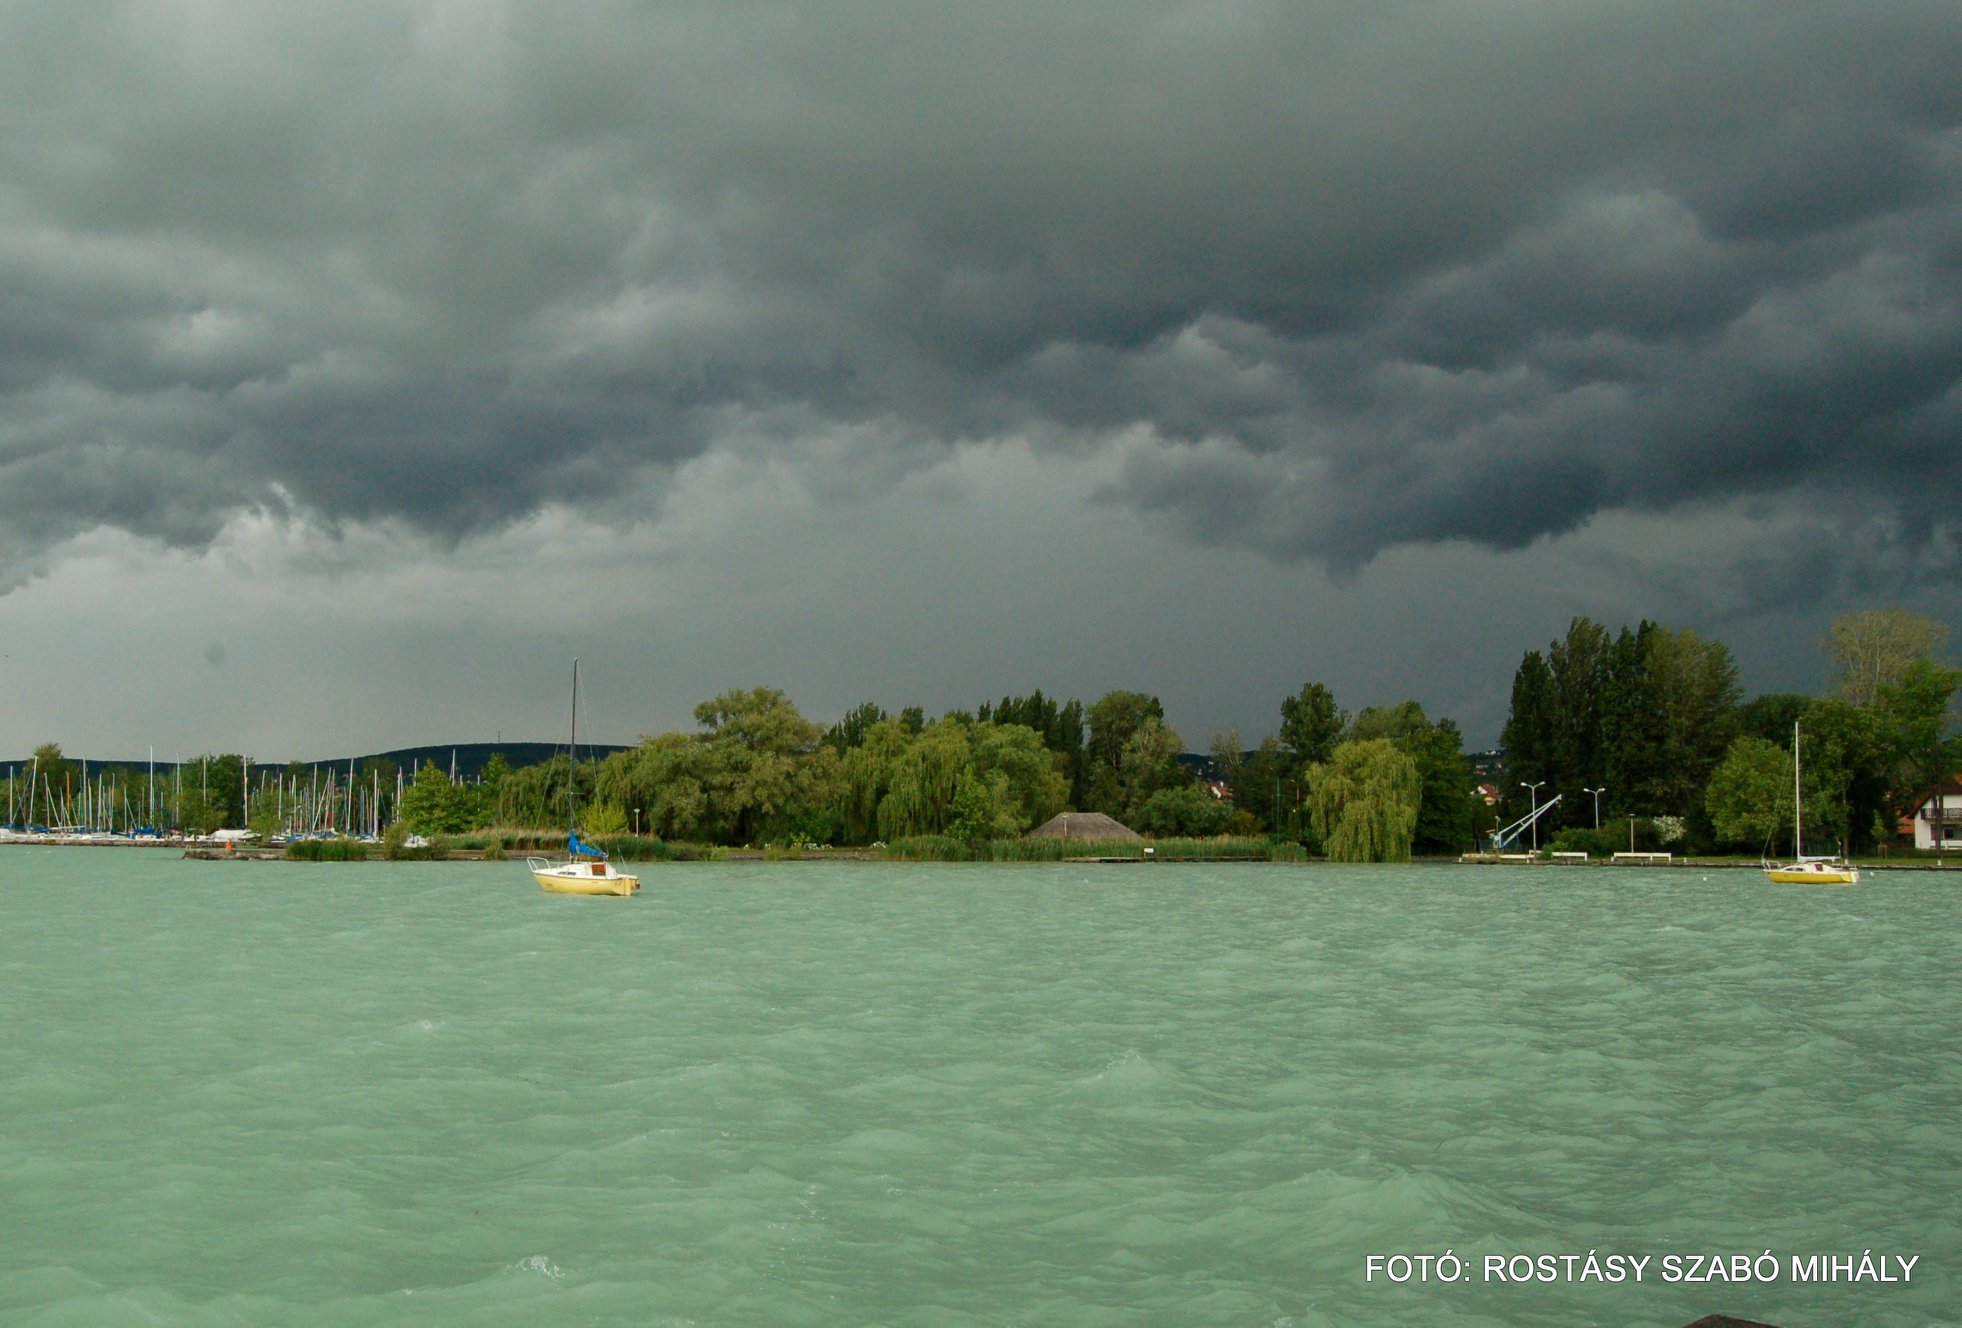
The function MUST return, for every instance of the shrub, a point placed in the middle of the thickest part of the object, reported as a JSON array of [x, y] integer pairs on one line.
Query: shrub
[[1594, 843], [1190, 811]]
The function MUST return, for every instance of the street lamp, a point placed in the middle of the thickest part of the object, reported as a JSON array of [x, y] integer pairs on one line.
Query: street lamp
[[637, 823], [1597, 803], [1534, 790]]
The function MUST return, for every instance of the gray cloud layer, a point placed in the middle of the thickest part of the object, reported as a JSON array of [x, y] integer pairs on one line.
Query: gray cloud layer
[[1333, 278]]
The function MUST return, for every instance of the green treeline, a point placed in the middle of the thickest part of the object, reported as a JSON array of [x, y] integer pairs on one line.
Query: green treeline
[[1654, 719], [757, 772], [1646, 724]]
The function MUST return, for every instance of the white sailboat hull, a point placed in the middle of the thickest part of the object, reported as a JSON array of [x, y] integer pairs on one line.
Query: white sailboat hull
[[1813, 873]]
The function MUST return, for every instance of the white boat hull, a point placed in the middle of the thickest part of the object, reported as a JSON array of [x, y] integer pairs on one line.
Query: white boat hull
[[1814, 873]]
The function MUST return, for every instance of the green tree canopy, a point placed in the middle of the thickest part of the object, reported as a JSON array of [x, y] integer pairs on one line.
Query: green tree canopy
[[1867, 652], [211, 796], [1188, 810], [432, 805], [1445, 811], [1914, 731], [1148, 764], [1395, 722], [1032, 782], [1114, 721], [1647, 714], [1749, 799], [1311, 725], [768, 777], [923, 779], [850, 731], [1364, 800], [668, 779]]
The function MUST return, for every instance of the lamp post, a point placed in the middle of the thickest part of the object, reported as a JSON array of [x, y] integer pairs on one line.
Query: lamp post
[[637, 823], [1597, 803], [1534, 790]]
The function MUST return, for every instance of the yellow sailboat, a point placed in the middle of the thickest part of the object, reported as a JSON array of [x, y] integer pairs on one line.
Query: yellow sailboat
[[1830, 869], [585, 870], [577, 877]]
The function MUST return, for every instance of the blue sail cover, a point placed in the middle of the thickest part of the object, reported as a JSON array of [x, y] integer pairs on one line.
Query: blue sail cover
[[575, 845]]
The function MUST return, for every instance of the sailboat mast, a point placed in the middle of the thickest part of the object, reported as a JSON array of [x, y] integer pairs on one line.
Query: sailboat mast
[[572, 753], [1798, 827]]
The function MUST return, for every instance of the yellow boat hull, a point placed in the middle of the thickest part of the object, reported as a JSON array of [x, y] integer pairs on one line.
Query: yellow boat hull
[[585, 879], [1812, 875]]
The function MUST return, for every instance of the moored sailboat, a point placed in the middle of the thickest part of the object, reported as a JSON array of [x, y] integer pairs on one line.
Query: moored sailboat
[[1828, 869], [585, 870]]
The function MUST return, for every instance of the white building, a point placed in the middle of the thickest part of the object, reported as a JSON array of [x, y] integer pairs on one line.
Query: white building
[[1938, 820]]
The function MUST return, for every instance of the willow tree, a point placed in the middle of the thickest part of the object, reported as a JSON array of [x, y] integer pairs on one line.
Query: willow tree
[[1364, 801], [922, 781]]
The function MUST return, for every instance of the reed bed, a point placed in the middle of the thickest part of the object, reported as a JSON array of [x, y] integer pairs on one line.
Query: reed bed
[[651, 848], [326, 850], [1056, 850], [926, 848], [940, 848], [1238, 848]]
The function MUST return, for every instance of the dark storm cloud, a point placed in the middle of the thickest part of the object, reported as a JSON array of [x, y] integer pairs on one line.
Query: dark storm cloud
[[1336, 278]]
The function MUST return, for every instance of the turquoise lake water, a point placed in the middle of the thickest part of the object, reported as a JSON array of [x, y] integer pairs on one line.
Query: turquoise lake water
[[787, 1094]]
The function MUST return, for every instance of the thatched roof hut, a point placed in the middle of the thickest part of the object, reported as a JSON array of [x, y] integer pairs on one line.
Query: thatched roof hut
[[1082, 825]]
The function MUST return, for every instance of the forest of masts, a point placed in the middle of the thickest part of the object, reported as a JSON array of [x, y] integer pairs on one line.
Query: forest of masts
[[61, 797]]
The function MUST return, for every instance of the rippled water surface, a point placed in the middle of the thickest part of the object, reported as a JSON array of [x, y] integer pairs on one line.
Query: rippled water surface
[[238, 1093]]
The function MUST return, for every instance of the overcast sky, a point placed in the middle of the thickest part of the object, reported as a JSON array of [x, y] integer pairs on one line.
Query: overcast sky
[[361, 364]]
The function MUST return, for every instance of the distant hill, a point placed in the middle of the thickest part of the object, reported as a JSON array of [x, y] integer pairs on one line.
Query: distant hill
[[470, 757]]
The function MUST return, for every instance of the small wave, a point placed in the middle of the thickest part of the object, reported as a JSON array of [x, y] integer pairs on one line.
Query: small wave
[[1129, 1071], [541, 1265]]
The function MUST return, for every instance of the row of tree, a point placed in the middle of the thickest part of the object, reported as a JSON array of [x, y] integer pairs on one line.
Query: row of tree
[[1648, 724], [1645, 723]]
